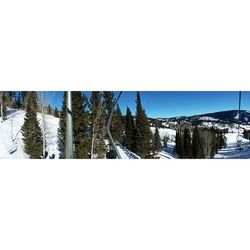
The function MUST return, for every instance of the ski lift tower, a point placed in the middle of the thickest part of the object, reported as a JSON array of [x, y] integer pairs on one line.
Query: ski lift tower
[[239, 137], [69, 127]]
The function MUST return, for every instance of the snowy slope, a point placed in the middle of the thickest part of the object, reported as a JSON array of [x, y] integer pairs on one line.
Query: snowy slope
[[170, 133], [13, 147], [232, 150]]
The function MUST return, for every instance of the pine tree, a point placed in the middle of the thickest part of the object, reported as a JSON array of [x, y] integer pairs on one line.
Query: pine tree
[[50, 110], [129, 140], [197, 145], [62, 129], [56, 112], [108, 102], [118, 125], [98, 125], [143, 134], [157, 140], [179, 146], [80, 117], [32, 134], [214, 143], [24, 95], [165, 141], [187, 144]]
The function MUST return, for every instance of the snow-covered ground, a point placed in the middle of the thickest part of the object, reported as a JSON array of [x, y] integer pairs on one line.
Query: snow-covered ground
[[167, 153], [232, 150], [170, 133], [11, 143], [125, 153]]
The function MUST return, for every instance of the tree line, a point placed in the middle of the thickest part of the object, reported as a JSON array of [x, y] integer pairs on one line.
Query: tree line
[[199, 143], [19, 100], [90, 117]]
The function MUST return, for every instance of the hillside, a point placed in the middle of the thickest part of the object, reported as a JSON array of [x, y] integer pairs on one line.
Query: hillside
[[11, 143]]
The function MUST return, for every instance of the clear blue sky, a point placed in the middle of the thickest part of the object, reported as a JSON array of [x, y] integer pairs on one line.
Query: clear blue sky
[[169, 103]]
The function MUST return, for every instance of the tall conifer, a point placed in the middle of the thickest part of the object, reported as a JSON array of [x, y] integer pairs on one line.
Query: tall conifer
[[31, 131]]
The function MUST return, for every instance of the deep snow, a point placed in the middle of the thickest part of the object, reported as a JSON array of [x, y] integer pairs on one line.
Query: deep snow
[[13, 146]]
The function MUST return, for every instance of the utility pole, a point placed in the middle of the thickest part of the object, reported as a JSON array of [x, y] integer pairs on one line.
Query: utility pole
[[69, 127]]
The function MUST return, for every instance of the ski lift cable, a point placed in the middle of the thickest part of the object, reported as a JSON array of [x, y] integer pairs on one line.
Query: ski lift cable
[[108, 126]]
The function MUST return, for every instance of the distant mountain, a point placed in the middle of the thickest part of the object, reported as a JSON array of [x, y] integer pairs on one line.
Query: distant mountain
[[225, 116], [229, 116]]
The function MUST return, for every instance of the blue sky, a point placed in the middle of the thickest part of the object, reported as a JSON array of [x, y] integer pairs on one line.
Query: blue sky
[[175, 103]]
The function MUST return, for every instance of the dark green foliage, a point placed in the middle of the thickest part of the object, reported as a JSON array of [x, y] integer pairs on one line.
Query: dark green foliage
[[165, 141], [108, 102], [3, 105], [247, 134], [80, 116], [143, 134], [204, 143], [157, 140], [56, 113], [32, 134], [129, 140], [62, 128], [24, 95], [81, 140], [50, 112], [187, 144], [118, 125], [98, 125], [197, 145], [179, 143]]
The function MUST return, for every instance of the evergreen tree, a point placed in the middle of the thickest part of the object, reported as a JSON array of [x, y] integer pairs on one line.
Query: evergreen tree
[[62, 129], [157, 140], [197, 145], [118, 125], [108, 102], [165, 141], [10, 99], [80, 119], [214, 144], [143, 134], [50, 110], [32, 134], [129, 140], [179, 146], [187, 144], [98, 125], [56, 112], [24, 95]]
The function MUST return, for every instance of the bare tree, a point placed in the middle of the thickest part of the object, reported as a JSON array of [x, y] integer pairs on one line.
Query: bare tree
[[43, 99]]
